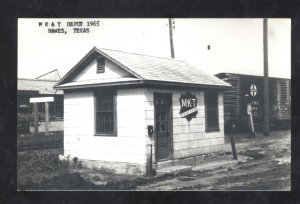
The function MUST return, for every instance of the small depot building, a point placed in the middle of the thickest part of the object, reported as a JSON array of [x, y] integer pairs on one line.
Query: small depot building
[[119, 106]]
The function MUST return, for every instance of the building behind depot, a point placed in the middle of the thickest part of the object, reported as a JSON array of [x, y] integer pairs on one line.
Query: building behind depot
[[41, 86]]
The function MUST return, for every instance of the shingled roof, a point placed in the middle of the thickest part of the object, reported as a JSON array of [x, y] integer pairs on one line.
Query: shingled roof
[[38, 85], [148, 69]]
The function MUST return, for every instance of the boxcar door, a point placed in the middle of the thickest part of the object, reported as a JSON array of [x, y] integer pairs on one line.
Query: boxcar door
[[163, 130]]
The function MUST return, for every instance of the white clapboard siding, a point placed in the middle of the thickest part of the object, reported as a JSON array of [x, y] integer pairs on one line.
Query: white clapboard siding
[[79, 120], [111, 156], [135, 111], [128, 114], [149, 105], [122, 148], [130, 132], [117, 149], [130, 143], [70, 108], [149, 114], [107, 144], [112, 71], [78, 98], [114, 152], [78, 115], [133, 141], [130, 106], [83, 131]]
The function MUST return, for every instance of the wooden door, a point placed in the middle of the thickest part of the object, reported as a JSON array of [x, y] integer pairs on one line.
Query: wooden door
[[163, 126]]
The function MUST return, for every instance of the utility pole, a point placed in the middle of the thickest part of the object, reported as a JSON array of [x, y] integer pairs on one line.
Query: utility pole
[[171, 37], [266, 79]]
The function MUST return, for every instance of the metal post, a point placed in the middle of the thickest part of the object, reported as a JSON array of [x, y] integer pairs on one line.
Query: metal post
[[36, 118], [250, 121], [149, 161], [252, 126], [47, 118], [233, 147], [266, 80]]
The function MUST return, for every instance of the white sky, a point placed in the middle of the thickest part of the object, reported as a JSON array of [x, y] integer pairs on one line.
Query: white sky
[[236, 44]]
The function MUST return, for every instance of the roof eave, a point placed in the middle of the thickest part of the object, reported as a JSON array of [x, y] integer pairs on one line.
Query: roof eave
[[183, 84], [146, 82], [98, 85]]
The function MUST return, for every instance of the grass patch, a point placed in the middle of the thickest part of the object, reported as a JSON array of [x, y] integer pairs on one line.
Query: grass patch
[[55, 139], [41, 161], [35, 166], [42, 170], [105, 170]]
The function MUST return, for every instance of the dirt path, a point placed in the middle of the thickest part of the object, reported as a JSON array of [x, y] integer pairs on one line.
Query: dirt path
[[270, 169]]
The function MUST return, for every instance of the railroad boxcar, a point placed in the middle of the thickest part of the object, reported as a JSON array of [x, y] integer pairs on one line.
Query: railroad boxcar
[[250, 89]]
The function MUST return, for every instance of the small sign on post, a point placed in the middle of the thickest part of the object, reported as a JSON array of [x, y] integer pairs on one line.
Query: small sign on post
[[40, 100]]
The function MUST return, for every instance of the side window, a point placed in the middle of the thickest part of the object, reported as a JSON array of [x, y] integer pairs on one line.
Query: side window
[[105, 114], [211, 111]]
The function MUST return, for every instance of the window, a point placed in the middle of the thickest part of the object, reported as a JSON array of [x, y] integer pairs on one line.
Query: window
[[106, 118], [59, 106], [211, 111], [100, 64]]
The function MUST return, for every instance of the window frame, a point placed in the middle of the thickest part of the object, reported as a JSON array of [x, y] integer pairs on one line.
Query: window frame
[[215, 128], [114, 133]]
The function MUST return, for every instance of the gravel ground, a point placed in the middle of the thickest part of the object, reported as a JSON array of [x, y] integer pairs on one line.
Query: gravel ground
[[270, 168]]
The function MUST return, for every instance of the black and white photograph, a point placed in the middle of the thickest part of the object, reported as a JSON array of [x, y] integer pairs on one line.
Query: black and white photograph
[[154, 104]]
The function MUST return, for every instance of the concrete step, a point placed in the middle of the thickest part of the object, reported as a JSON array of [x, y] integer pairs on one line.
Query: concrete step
[[164, 164], [173, 169]]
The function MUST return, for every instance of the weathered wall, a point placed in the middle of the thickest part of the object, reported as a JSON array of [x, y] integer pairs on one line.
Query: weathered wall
[[189, 138], [129, 144]]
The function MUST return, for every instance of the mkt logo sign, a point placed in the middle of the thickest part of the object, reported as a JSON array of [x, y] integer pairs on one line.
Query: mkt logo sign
[[188, 106]]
